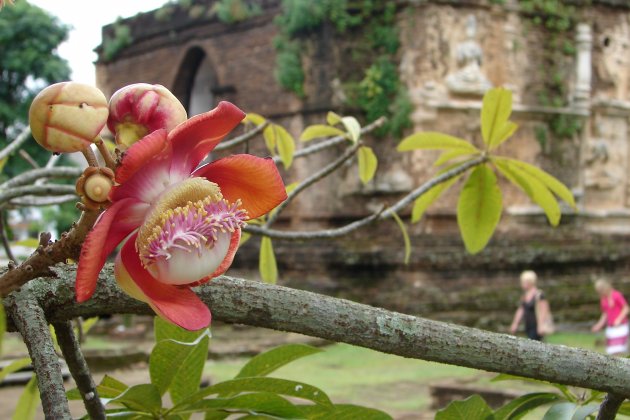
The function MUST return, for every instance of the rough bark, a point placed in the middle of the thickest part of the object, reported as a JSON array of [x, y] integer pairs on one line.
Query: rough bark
[[246, 302]]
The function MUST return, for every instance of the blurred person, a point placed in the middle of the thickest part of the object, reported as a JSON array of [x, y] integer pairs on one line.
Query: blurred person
[[533, 309], [614, 317]]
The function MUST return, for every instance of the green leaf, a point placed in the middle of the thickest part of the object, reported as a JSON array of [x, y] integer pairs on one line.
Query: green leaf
[[270, 135], [333, 118], [405, 235], [165, 330], [110, 387], [267, 262], [561, 411], [473, 407], [449, 155], [285, 145], [28, 402], [562, 388], [3, 325], [3, 162], [520, 406], [431, 140], [557, 187], [352, 127], [342, 412], [88, 324], [259, 402], [479, 208], [368, 163], [267, 362], [534, 189], [29, 243], [254, 118], [14, 366], [144, 397], [583, 411], [170, 358], [508, 129], [262, 384], [320, 131], [495, 112], [423, 202]]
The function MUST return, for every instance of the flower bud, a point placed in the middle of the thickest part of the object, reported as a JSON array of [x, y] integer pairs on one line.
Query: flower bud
[[94, 186], [67, 116], [140, 109]]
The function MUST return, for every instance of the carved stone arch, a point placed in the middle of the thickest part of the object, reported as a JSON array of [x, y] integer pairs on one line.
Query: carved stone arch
[[195, 81]]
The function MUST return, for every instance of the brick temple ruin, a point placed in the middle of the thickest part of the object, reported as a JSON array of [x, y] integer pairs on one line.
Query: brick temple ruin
[[451, 52]]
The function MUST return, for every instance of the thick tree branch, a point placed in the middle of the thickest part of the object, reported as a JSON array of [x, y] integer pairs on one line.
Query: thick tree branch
[[4, 239], [30, 321], [228, 144], [610, 406], [21, 138], [79, 369], [240, 301], [33, 175], [48, 254]]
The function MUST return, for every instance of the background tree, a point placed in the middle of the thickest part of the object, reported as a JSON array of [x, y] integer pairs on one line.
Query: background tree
[[29, 37]]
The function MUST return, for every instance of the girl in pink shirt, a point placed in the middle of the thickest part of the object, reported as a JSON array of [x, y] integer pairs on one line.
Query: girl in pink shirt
[[614, 316]]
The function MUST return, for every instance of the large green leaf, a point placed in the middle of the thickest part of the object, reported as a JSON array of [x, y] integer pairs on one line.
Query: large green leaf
[[319, 131], [508, 129], [405, 234], [562, 388], [522, 405], [342, 412], [352, 127], [333, 118], [449, 155], [265, 363], [557, 187], [254, 118], [258, 402], [479, 208], [28, 402], [110, 387], [534, 189], [170, 358], [473, 407], [368, 163], [584, 411], [495, 113], [570, 411], [164, 330], [262, 384], [431, 140], [423, 202], [143, 397], [267, 261], [286, 146]]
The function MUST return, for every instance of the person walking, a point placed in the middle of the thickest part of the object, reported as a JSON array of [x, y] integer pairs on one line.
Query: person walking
[[614, 317], [533, 309]]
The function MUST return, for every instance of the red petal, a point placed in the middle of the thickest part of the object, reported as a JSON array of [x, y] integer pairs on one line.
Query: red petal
[[227, 261], [110, 229], [139, 154], [255, 181], [179, 305], [194, 139]]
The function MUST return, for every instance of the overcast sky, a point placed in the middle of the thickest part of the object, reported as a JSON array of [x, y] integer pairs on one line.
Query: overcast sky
[[86, 18]]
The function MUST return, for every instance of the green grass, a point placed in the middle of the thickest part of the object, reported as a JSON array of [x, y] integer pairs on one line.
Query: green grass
[[392, 383]]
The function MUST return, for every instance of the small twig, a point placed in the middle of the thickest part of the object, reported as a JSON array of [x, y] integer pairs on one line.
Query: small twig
[[3, 237], [381, 215], [48, 254], [242, 138], [28, 158], [36, 175], [47, 189], [333, 141], [21, 138], [609, 407], [30, 321], [90, 157], [52, 161], [79, 369], [317, 176], [40, 201], [107, 156]]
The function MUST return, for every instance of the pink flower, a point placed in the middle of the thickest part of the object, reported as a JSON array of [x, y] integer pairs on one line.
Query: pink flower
[[140, 109], [185, 222]]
